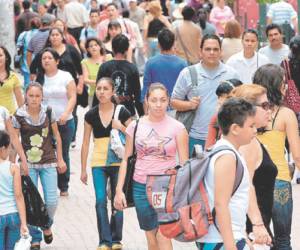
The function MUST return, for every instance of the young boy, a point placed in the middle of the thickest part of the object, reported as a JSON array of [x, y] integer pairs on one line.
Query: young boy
[[236, 120]]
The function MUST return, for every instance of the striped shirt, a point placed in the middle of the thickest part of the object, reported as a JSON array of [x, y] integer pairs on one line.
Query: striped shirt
[[281, 12]]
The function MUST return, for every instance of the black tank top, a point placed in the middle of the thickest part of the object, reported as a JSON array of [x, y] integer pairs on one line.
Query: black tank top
[[154, 27]]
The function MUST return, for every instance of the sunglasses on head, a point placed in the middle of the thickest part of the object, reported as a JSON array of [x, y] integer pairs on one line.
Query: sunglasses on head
[[265, 105]]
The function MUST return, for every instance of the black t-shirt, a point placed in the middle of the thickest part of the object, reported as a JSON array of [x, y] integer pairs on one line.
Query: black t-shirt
[[127, 83], [92, 117]]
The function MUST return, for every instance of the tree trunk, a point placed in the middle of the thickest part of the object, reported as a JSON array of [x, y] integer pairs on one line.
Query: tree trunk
[[7, 26]]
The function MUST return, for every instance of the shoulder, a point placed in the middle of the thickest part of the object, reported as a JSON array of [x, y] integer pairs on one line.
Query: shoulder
[[177, 125], [235, 57], [91, 113]]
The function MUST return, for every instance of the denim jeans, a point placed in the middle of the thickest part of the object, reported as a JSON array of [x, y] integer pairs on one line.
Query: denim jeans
[[74, 113], [282, 215], [48, 178], [66, 133], [109, 232], [9, 230], [240, 245], [193, 142]]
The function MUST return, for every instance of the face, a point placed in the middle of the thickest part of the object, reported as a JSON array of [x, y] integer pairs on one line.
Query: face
[[211, 52], [2, 57], [34, 97], [55, 38], [158, 102], [94, 4], [249, 42], [247, 132], [4, 151], [112, 12], [274, 37], [48, 61], [263, 111], [283, 87], [59, 25], [42, 10], [104, 91], [132, 4], [93, 48], [94, 18], [60, 3], [114, 31]]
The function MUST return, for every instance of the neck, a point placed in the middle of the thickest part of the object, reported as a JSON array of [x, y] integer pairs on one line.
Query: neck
[[248, 54], [33, 110], [153, 118], [2, 68], [276, 46], [94, 25], [233, 141], [106, 106], [51, 72], [58, 46], [167, 52], [120, 56], [210, 65], [96, 57]]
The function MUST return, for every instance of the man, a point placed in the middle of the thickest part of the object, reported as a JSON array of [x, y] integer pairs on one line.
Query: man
[[276, 51], [136, 14], [210, 72], [23, 21], [188, 37], [76, 18], [59, 12], [164, 67], [283, 12], [43, 10], [125, 76], [90, 30]]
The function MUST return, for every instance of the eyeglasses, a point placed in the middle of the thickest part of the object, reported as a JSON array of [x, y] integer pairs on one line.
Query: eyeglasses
[[265, 105]]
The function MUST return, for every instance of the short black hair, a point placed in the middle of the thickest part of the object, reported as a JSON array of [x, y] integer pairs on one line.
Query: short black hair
[[112, 4], [225, 87], [273, 26], [188, 13], [4, 139], [250, 31], [210, 36], [166, 39], [94, 11], [234, 111], [26, 4], [120, 44]]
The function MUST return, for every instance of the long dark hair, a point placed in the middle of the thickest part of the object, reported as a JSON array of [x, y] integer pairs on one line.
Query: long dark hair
[[48, 43], [7, 61], [112, 24], [294, 59]]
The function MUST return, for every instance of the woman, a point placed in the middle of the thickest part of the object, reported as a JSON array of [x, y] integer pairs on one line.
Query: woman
[[96, 55], [248, 60], [153, 23], [60, 94], [232, 42], [100, 121], [36, 125], [261, 168], [283, 125], [10, 86], [220, 15], [158, 138], [12, 206]]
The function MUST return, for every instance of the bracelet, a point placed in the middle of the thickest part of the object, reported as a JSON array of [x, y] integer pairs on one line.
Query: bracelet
[[258, 225]]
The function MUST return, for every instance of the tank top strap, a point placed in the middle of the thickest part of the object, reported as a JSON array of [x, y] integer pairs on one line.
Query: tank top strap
[[273, 121]]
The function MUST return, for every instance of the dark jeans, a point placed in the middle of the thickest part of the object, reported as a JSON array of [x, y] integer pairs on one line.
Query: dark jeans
[[74, 113], [240, 244], [282, 215], [66, 133], [76, 33], [109, 231]]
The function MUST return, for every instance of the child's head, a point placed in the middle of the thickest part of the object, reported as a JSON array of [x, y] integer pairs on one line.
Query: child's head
[[225, 88], [4, 144], [236, 118]]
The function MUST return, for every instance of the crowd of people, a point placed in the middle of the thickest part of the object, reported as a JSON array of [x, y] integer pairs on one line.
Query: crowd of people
[[193, 57]]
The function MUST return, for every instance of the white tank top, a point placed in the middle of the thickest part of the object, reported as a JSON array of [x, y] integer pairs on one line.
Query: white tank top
[[238, 204], [7, 197]]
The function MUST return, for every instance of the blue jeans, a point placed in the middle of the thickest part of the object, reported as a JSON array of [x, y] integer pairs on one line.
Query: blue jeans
[[193, 142], [48, 177], [282, 215], [109, 232], [9, 230], [66, 133], [240, 244]]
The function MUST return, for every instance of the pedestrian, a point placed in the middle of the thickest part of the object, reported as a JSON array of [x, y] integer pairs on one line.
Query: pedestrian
[[100, 120], [60, 94], [283, 125], [113, 29], [11, 89], [207, 28], [36, 124], [12, 206], [158, 138]]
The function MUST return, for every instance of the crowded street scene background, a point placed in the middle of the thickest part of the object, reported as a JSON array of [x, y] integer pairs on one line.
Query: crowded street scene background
[[191, 116]]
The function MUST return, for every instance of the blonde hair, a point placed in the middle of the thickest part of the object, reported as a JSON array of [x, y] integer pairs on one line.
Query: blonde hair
[[154, 8], [249, 92]]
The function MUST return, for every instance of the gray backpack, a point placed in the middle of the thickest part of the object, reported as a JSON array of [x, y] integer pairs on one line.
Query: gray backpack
[[180, 198]]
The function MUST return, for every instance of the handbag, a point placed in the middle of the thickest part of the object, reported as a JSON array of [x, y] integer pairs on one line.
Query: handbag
[[128, 183], [292, 98], [82, 99], [24, 243], [187, 117]]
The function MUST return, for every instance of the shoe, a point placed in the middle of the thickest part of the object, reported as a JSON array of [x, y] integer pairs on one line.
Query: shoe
[[64, 193], [48, 238], [116, 246], [103, 247], [35, 247], [73, 144]]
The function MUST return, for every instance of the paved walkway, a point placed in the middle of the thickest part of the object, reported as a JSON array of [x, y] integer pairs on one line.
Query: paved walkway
[[75, 225]]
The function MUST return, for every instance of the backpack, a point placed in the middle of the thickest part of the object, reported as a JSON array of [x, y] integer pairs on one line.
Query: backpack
[[180, 198]]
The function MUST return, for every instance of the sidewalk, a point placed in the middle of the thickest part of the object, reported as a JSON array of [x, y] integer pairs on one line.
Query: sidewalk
[[75, 226]]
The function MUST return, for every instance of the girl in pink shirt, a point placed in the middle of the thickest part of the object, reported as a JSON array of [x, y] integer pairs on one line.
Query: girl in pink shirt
[[158, 139]]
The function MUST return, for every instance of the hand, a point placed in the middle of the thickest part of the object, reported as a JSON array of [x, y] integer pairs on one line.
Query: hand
[[61, 166], [63, 119], [194, 102], [24, 229], [120, 201], [116, 124], [24, 168], [79, 89], [261, 235], [84, 177]]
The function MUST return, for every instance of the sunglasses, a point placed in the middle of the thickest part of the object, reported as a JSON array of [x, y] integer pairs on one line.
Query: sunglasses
[[265, 105]]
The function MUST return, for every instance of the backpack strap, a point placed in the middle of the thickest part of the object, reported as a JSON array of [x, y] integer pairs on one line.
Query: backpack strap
[[194, 75], [117, 112]]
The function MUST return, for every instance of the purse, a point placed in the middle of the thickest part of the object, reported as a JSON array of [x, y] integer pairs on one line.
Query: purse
[[187, 117], [128, 183]]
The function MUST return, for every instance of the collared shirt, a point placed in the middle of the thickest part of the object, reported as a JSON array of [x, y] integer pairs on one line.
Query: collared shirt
[[247, 67], [207, 83], [87, 33], [275, 56], [76, 15]]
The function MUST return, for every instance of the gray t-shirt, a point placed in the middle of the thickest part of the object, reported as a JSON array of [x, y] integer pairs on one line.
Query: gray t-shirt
[[208, 81], [275, 56]]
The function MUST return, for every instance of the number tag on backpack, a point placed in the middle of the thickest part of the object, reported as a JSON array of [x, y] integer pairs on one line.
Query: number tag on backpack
[[159, 199]]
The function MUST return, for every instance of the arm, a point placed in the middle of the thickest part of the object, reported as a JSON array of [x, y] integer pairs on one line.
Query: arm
[[71, 95], [295, 24], [181, 105], [61, 165], [19, 96], [29, 58], [85, 75], [85, 150], [182, 145]]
